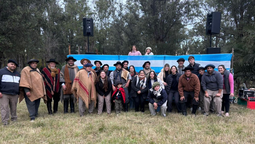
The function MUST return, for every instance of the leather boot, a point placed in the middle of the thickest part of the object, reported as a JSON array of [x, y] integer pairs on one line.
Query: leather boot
[[66, 106], [126, 107], [184, 109], [49, 108], [55, 106], [72, 105]]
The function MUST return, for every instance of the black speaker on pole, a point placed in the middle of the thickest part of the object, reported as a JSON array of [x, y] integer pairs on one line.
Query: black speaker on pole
[[87, 26], [213, 23], [213, 50]]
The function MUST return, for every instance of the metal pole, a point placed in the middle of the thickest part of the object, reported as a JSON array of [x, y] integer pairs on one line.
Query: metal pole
[[88, 43], [210, 40]]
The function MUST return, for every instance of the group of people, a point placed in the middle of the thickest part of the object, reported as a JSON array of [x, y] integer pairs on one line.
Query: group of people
[[135, 52], [121, 89]]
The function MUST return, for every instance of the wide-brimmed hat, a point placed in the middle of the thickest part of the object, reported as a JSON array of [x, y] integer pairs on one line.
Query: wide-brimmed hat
[[209, 65], [98, 61], [146, 63], [188, 68], [105, 65], [155, 84], [88, 65], [13, 61], [181, 59], [148, 48], [201, 68], [52, 60], [85, 60], [70, 58], [117, 83], [125, 61], [118, 63], [33, 60]]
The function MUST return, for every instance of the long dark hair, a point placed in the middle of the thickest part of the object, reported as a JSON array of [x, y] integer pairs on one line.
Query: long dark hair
[[222, 67], [132, 48], [133, 68], [155, 76], [105, 87], [175, 68]]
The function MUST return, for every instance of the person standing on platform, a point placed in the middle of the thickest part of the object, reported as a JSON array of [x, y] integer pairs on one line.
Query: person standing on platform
[[148, 51], [134, 51], [9, 91], [51, 77], [31, 81]]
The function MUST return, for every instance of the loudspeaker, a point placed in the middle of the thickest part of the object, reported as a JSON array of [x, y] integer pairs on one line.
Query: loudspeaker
[[87, 26], [213, 23], [213, 50]]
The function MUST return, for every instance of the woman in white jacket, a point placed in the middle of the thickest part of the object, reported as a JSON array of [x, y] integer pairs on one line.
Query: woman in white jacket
[[165, 71], [148, 51]]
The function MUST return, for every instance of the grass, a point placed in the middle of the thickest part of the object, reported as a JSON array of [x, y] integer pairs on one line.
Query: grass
[[129, 127]]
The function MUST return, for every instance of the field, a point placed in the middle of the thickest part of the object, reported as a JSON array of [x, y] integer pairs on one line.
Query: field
[[129, 127]]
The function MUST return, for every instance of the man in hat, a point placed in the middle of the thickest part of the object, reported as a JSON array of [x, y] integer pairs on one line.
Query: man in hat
[[98, 65], [212, 83], [33, 88], [193, 65], [84, 62], [51, 77], [147, 68], [148, 51], [181, 66], [125, 65], [67, 76], [9, 91], [84, 89], [122, 75], [201, 71], [105, 68], [189, 87]]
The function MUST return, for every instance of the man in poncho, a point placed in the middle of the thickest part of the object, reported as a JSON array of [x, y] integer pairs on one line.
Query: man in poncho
[[84, 89], [33, 88]]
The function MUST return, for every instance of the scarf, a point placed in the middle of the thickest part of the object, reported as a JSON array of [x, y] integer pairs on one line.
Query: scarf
[[156, 93], [118, 74], [142, 82], [54, 71], [147, 70]]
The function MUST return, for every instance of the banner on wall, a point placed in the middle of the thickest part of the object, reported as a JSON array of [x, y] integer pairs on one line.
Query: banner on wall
[[157, 61]]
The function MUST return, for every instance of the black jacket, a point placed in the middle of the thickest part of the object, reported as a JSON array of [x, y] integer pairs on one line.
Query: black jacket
[[9, 82], [195, 68], [101, 91], [162, 98], [169, 81], [136, 87]]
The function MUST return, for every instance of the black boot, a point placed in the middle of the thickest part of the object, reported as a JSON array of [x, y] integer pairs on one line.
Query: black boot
[[49, 107], [55, 106], [72, 105], [184, 109], [194, 109], [66, 106], [126, 107]]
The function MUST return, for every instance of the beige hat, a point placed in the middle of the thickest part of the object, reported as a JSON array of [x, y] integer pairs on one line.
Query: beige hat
[[148, 48]]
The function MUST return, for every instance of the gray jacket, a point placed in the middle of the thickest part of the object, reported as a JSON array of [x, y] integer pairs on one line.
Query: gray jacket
[[212, 82]]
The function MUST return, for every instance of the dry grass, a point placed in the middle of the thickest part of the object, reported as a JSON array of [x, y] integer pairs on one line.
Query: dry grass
[[130, 127]]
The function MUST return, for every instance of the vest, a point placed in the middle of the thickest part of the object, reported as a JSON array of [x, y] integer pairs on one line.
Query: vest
[[118, 78]]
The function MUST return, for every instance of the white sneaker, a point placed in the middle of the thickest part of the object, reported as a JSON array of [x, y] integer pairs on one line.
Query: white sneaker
[[32, 120], [227, 114]]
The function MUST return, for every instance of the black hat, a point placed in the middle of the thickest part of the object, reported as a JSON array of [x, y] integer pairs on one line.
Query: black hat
[[118, 63], [13, 61], [209, 65], [98, 61], [146, 63], [70, 58], [88, 65], [117, 83], [181, 59], [188, 68], [201, 68], [33, 60], [124, 62], [105, 65], [52, 60]]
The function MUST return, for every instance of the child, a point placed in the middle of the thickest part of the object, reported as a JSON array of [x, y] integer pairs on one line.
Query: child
[[118, 97]]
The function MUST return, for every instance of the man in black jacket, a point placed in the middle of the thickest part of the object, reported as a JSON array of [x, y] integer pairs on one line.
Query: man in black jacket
[[9, 91], [193, 65]]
